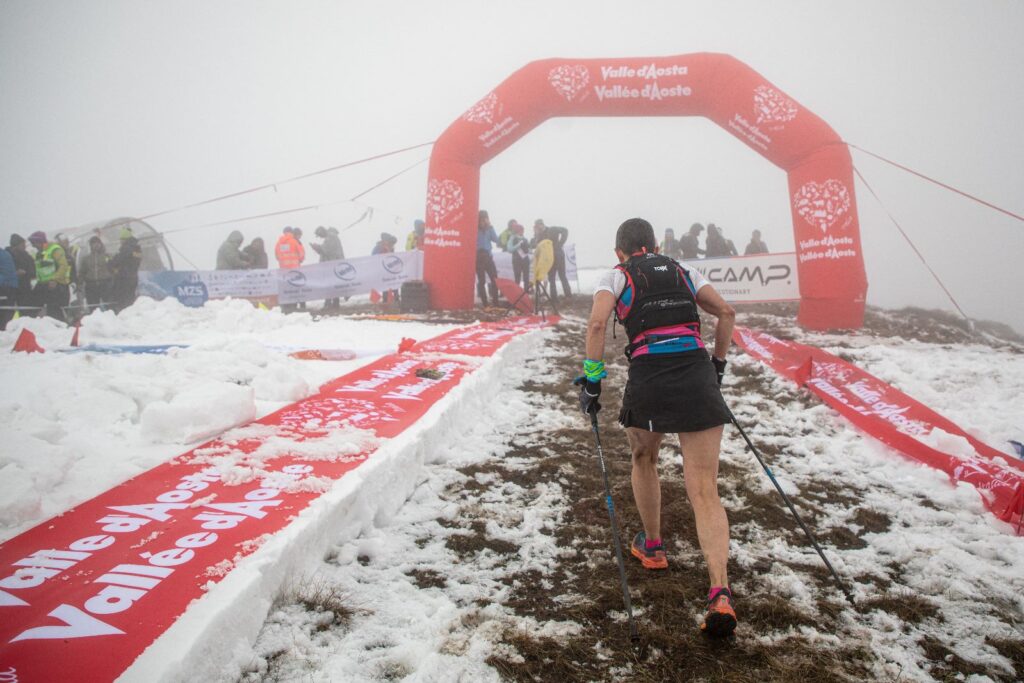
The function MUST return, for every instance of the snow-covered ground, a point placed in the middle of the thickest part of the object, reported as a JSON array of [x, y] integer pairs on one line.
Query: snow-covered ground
[[421, 582], [75, 424]]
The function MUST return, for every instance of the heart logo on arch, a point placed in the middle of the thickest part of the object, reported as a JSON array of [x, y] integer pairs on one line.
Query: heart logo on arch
[[484, 111], [771, 106], [569, 81], [822, 204], [443, 197]]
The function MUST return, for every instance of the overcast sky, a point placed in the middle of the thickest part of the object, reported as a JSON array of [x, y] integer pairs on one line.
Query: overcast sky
[[129, 108]]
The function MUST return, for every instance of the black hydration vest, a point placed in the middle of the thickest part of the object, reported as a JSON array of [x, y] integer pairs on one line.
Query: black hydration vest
[[661, 296]]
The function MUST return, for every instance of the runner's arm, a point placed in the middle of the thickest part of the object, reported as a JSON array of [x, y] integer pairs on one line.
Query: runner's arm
[[712, 302], [604, 303]]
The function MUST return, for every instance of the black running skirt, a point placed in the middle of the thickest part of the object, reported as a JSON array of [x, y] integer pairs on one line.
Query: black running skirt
[[677, 393]]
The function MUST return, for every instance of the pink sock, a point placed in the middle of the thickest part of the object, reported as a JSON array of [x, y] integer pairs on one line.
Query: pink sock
[[715, 590], [651, 543]]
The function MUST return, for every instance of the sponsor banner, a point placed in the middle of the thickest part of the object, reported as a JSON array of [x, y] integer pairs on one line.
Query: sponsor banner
[[895, 419], [752, 279], [314, 282], [503, 263], [83, 594], [334, 279]]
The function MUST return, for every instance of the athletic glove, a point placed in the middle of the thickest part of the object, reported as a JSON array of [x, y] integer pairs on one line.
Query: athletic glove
[[589, 393], [719, 368]]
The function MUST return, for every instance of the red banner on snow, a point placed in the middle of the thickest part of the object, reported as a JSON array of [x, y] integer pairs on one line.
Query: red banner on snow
[[893, 418], [83, 594]]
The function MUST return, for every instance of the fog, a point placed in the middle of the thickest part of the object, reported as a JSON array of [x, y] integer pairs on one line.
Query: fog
[[123, 108]]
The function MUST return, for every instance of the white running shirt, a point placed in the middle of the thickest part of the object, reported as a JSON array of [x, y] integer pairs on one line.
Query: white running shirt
[[614, 281]]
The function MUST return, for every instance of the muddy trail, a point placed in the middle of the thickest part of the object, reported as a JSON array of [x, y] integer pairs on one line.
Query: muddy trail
[[822, 638]]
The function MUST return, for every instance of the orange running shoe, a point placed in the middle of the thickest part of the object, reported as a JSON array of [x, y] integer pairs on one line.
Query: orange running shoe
[[720, 620], [651, 558]]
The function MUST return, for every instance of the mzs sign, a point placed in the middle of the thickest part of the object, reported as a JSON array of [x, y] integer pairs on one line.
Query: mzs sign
[[752, 279], [192, 292]]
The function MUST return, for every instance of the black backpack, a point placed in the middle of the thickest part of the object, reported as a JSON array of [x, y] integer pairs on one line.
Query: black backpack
[[661, 295]]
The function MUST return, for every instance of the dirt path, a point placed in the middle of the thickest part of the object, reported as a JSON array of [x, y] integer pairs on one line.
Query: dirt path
[[778, 639]]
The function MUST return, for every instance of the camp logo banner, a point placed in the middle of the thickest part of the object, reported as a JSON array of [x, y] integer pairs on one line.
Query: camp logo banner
[[897, 420], [83, 594], [752, 279]]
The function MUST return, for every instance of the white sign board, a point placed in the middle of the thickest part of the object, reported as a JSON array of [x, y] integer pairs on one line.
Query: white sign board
[[503, 263], [752, 279], [334, 279]]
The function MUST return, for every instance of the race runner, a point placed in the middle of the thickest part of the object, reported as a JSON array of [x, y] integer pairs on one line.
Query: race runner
[[672, 388]]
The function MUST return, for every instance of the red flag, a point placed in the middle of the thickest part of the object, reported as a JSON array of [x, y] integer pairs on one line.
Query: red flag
[[74, 337], [406, 344], [27, 342]]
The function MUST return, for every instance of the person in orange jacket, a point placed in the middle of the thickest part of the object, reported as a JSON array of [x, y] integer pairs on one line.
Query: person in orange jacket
[[289, 250]]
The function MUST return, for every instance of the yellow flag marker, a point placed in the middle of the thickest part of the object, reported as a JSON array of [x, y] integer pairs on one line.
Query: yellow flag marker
[[17, 314], [262, 307]]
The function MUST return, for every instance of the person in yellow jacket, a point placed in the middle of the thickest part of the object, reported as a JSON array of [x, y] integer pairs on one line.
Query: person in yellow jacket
[[543, 255], [53, 275]]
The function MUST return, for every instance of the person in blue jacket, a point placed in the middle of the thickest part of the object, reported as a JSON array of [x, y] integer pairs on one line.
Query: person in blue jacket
[[485, 268], [8, 287]]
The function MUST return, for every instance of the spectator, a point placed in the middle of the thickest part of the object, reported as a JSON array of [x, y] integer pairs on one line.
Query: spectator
[[543, 258], [330, 248], [670, 247], [558, 237], [95, 277], [386, 244], [485, 268], [8, 287], [53, 276], [256, 255], [756, 246], [125, 266], [230, 256], [505, 235], [689, 247], [415, 239], [717, 245], [519, 246], [70, 253], [288, 251], [25, 267]]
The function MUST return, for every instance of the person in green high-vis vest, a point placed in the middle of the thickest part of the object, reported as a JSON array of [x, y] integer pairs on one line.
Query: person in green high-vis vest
[[53, 275]]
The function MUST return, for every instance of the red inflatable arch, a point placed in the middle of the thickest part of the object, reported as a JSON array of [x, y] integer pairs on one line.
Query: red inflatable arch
[[719, 87]]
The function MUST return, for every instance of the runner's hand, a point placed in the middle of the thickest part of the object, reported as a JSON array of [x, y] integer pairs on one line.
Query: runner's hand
[[589, 393], [719, 368]]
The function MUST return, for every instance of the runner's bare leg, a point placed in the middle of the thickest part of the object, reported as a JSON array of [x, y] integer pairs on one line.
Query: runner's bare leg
[[700, 470], [646, 485]]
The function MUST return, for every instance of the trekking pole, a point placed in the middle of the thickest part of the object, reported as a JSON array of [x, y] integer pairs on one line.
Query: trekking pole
[[789, 503], [634, 635]]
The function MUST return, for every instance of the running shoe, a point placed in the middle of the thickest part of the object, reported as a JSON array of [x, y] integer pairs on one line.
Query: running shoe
[[720, 619], [651, 558]]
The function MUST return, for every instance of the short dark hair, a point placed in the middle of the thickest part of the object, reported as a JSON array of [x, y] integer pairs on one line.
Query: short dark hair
[[635, 235]]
